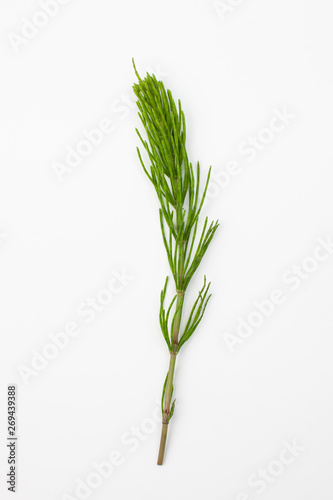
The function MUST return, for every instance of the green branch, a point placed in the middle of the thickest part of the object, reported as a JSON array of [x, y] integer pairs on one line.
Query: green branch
[[178, 190]]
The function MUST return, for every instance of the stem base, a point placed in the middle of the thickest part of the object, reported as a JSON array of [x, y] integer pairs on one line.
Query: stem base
[[162, 443]]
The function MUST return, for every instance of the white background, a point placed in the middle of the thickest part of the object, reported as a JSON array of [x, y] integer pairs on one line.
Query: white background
[[231, 67]]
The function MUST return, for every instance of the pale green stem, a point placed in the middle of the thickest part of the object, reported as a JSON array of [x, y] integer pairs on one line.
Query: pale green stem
[[172, 363]]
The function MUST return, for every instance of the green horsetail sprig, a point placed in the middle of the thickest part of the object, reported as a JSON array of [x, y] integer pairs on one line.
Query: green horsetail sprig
[[177, 185]]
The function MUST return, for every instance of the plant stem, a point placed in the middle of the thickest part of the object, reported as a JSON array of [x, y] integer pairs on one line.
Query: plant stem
[[173, 354], [166, 407]]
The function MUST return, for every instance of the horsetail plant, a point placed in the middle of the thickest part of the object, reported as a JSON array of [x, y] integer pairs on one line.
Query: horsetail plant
[[177, 185]]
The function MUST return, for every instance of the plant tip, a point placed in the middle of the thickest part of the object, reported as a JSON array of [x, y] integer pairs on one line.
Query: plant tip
[[137, 74]]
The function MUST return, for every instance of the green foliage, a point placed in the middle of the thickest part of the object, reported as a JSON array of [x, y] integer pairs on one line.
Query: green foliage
[[177, 185]]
